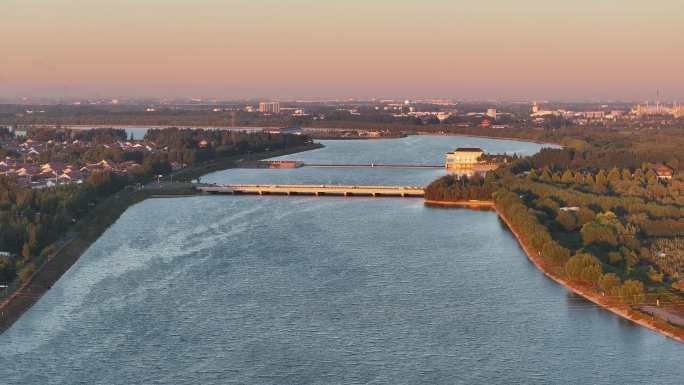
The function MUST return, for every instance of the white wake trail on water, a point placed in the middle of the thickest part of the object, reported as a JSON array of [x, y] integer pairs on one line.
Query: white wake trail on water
[[62, 305]]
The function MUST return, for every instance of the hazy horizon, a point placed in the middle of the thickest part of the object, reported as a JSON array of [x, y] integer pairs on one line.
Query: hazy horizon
[[486, 50]]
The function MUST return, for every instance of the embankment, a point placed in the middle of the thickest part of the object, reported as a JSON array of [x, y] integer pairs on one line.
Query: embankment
[[471, 204], [589, 294]]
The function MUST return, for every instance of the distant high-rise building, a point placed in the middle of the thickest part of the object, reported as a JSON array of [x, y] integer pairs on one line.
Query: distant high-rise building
[[646, 110], [491, 112], [269, 107]]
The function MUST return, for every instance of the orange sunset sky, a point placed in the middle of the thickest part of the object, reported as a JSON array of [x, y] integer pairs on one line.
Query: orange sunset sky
[[488, 49]]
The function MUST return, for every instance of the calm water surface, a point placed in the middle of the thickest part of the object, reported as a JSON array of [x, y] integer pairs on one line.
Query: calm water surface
[[305, 290]]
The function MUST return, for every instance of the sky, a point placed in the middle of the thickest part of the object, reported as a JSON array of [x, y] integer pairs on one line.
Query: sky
[[280, 49]]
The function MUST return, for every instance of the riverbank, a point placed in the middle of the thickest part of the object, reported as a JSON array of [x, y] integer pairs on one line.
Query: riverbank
[[610, 304], [87, 230]]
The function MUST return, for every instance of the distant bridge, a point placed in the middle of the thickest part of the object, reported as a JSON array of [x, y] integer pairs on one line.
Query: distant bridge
[[372, 165], [316, 190]]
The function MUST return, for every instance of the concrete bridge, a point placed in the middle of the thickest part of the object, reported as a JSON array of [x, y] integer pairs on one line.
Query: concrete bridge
[[372, 165], [317, 190]]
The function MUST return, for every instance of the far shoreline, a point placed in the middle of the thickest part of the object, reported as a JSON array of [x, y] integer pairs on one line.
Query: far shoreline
[[255, 128]]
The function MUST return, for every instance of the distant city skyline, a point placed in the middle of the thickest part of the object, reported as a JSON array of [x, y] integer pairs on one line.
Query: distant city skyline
[[256, 101], [475, 50]]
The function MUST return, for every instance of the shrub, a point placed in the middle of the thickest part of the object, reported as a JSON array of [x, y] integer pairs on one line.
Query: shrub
[[26, 272]]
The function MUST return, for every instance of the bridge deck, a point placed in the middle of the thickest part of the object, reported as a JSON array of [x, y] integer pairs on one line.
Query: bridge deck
[[318, 190], [371, 165]]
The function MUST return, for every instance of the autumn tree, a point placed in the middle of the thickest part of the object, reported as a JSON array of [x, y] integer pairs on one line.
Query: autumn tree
[[555, 252], [584, 267], [609, 281], [630, 292], [567, 219]]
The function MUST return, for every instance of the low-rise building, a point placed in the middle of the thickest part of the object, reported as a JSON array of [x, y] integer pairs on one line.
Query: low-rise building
[[463, 157]]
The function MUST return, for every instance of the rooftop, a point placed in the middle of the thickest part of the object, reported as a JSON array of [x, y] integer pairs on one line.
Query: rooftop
[[468, 149]]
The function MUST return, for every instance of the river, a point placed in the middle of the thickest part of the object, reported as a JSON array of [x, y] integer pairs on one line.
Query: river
[[306, 290]]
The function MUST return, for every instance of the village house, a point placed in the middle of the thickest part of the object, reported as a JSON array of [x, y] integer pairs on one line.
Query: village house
[[25, 166]]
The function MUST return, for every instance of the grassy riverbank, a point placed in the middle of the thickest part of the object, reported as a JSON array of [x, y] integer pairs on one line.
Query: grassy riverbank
[[89, 228]]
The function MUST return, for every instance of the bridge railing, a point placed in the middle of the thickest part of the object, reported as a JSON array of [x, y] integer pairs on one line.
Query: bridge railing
[[325, 186]]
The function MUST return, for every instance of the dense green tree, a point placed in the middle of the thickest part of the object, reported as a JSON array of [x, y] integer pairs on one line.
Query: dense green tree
[[553, 251], [568, 177], [584, 216], [455, 188], [596, 233]]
